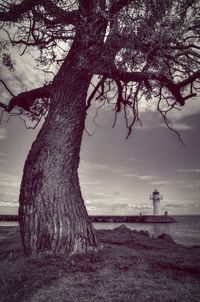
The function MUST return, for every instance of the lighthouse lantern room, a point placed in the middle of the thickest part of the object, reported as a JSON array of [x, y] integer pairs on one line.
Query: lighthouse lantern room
[[156, 197]]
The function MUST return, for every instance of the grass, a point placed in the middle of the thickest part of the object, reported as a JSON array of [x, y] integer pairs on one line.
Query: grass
[[130, 267]]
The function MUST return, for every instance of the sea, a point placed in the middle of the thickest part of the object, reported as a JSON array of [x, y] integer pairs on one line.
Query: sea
[[186, 229]]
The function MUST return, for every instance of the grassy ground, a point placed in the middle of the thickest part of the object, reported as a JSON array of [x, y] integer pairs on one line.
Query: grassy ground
[[130, 267]]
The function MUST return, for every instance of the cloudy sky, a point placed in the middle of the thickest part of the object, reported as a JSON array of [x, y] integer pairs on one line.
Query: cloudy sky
[[117, 175]]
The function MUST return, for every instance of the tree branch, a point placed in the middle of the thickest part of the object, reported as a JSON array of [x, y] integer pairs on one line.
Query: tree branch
[[61, 16], [101, 82], [192, 78], [118, 5], [174, 88], [4, 84], [16, 11], [26, 99], [87, 7]]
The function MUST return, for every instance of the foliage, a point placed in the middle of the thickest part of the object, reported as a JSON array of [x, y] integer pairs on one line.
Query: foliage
[[142, 49]]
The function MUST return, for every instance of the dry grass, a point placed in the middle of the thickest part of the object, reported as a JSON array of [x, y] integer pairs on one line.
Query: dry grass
[[130, 267]]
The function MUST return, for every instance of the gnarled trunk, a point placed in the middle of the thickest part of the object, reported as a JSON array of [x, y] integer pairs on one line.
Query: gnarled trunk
[[52, 214]]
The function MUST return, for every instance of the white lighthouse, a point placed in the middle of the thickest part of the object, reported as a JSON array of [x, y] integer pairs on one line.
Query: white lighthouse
[[156, 197]]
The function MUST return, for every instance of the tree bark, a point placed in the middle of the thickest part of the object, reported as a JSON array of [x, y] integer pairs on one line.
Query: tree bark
[[52, 214]]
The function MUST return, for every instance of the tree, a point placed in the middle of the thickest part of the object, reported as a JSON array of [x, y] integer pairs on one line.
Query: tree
[[130, 51]]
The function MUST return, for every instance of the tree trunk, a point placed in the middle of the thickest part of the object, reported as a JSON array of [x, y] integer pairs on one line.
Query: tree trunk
[[52, 214]]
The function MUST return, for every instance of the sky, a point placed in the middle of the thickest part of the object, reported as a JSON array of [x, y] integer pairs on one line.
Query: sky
[[117, 176]]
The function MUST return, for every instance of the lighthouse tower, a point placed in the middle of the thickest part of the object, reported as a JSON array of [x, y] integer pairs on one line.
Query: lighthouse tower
[[156, 197]]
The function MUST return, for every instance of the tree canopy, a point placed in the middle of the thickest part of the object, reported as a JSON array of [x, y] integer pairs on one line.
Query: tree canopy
[[136, 49], [120, 52]]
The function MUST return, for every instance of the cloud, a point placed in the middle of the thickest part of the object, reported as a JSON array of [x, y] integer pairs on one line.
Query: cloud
[[188, 170], [3, 134], [2, 157], [151, 119], [178, 126], [146, 177], [8, 199], [191, 186], [9, 184], [6, 176], [191, 183], [88, 183], [180, 205], [183, 127], [133, 206], [160, 182], [116, 208], [139, 160], [141, 177], [22, 78], [87, 166], [3, 154], [8, 203], [90, 167], [181, 182], [130, 175], [192, 107], [8, 180], [102, 194], [96, 182], [6, 209]]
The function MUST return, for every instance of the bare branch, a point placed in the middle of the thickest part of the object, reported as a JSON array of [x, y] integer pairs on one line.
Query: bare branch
[[119, 97], [165, 119], [4, 84], [189, 80], [2, 105], [94, 92], [94, 120]]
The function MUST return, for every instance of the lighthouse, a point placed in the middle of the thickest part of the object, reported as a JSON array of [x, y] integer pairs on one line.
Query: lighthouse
[[156, 197]]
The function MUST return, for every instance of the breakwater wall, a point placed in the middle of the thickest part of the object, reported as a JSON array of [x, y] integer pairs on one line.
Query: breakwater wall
[[9, 218], [134, 219], [111, 218]]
